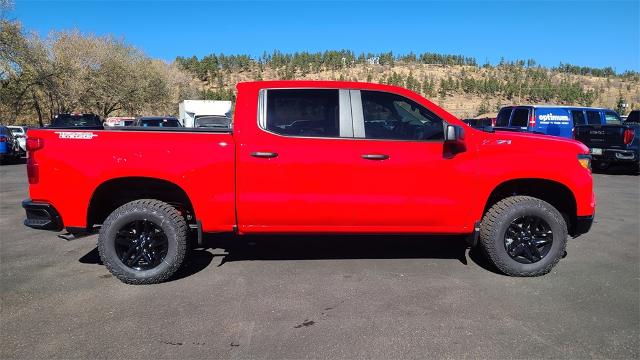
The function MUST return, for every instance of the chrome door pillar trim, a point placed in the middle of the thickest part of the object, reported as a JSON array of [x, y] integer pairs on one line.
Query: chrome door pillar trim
[[346, 123]]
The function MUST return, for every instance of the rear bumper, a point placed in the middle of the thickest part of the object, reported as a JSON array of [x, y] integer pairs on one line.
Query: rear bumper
[[582, 225], [617, 155], [41, 216]]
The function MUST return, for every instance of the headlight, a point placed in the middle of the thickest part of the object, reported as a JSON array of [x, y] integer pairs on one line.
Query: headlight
[[585, 161]]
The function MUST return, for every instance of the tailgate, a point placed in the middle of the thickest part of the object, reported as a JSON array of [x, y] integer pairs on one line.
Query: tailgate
[[601, 136]]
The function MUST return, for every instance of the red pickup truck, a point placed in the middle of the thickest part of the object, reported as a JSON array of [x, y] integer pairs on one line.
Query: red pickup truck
[[311, 157]]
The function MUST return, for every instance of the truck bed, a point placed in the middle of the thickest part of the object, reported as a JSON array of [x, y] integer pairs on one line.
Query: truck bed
[[79, 161]]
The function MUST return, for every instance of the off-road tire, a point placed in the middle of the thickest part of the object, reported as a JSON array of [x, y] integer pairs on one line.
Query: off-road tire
[[498, 218], [161, 214]]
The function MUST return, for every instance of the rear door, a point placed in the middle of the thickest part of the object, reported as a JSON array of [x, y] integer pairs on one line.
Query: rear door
[[296, 172]]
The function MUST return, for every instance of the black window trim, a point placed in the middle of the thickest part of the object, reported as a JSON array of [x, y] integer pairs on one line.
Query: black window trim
[[345, 121]]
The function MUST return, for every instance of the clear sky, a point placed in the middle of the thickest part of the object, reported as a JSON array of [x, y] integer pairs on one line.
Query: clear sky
[[589, 33]]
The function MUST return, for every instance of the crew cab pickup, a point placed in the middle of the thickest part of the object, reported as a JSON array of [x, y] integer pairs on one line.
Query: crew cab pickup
[[613, 141], [312, 157]]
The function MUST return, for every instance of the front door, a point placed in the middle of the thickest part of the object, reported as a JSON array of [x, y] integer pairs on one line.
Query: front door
[[407, 181]]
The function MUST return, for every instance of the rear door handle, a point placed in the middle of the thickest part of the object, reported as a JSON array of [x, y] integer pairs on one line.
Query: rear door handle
[[375, 156], [263, 154]]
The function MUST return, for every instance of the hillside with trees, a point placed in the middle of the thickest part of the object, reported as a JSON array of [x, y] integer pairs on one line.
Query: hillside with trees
[[458, 83]]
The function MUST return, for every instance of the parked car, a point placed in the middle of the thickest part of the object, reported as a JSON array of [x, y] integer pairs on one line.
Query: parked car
[[157, 121], [20, 134], [553, 120], [9, 148], [612, 142], [76, 121], [312, 157]]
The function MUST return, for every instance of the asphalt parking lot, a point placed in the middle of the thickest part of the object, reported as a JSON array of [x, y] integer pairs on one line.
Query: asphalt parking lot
[[326, 297]]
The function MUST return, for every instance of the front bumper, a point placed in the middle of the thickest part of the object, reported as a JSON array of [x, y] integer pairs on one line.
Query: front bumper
[[41, 216], [582, 225]]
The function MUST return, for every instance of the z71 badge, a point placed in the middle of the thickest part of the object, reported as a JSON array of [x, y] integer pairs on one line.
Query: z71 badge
[[76, 135]]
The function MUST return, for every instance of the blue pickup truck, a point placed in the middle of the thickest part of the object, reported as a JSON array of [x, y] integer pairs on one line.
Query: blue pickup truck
[[554, 120]]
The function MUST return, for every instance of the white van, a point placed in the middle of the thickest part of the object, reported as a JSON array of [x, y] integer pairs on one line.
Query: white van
[[200, 113]]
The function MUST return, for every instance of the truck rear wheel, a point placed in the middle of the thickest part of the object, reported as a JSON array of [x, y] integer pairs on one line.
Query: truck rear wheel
[[143, 242], [523, 236]]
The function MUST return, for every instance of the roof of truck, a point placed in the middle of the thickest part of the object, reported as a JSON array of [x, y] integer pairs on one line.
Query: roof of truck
[[346, 85]]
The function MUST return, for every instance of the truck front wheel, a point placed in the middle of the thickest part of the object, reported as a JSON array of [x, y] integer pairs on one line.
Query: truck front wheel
[[523, 236], [143, 242]]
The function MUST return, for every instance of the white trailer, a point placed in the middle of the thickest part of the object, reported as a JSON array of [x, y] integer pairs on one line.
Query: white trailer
[[190, 110]]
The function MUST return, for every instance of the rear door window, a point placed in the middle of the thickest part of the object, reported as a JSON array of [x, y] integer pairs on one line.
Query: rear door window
[[578, 117], [612, 118], [593, 117], [520, 117], [303, 112], [503, 117]]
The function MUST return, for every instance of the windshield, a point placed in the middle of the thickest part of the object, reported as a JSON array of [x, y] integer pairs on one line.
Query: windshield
[[612, 118], [17, 131], [213, 121]]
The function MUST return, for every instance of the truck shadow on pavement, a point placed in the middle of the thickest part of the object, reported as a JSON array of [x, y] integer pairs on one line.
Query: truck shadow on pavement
[[339, 247], [233, 248]]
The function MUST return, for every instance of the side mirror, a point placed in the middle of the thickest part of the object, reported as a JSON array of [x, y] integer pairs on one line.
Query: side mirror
[[454, 134]]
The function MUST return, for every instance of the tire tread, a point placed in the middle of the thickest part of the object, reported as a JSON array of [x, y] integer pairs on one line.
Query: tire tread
[[491, 221]]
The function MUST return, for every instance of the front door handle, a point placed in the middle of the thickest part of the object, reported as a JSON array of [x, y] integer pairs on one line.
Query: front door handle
[[375, 156], [263, 154]]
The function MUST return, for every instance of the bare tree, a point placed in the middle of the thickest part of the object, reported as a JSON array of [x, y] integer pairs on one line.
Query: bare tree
[[69, 71]]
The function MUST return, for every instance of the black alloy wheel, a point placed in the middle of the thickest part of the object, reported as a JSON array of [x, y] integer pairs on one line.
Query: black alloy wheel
[[528, 239], [141, 245]]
